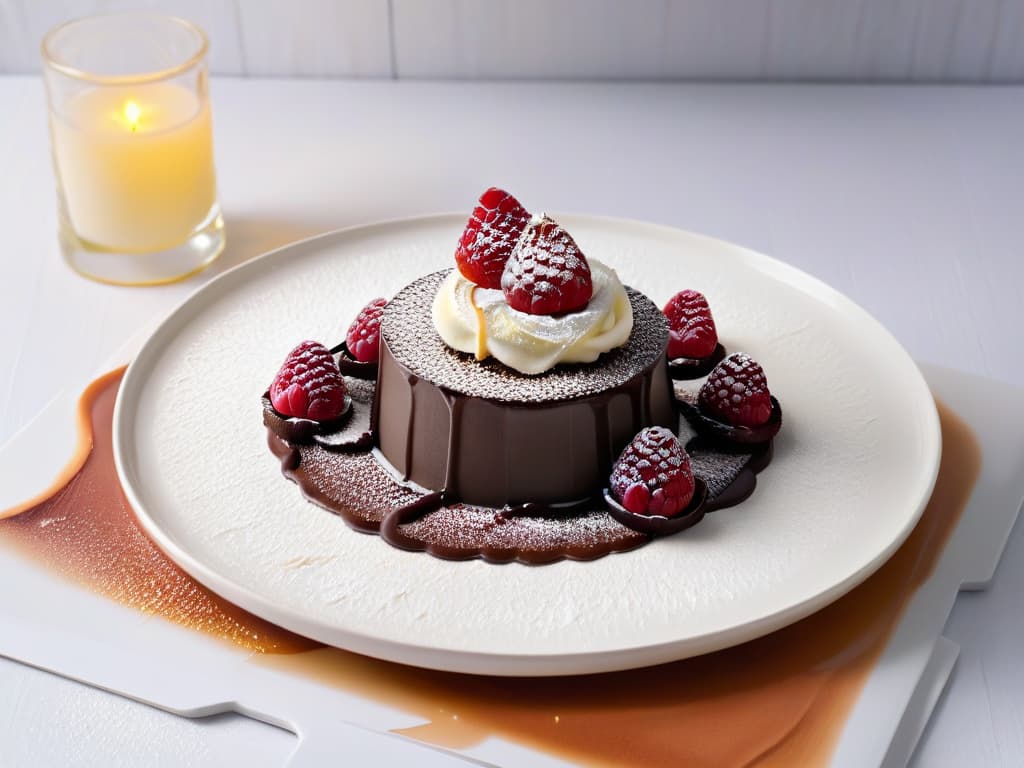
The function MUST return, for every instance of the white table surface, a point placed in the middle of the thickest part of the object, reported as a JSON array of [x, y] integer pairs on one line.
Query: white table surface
[[908, 199]]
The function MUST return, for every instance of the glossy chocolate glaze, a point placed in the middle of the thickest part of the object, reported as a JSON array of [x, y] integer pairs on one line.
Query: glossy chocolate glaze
[[497, 454], [781, 700]]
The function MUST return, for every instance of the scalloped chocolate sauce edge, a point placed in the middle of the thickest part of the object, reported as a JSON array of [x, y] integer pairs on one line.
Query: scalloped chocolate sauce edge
[[393, 518]]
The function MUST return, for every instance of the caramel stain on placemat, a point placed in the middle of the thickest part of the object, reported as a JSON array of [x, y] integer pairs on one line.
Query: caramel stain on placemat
[[86, 532], [780, 700]]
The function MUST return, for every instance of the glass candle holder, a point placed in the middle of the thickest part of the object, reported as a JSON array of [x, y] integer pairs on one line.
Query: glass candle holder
[[132, 144]]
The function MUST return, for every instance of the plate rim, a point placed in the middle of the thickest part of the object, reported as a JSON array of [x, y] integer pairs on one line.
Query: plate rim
[[503, 664]]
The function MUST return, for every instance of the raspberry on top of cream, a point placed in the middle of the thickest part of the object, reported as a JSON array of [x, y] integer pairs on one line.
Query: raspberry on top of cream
[[546, 273], [524, 293], [480, 321]]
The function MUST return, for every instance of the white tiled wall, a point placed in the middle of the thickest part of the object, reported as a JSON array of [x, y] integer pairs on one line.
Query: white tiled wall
[[923, 40], [319, 38]]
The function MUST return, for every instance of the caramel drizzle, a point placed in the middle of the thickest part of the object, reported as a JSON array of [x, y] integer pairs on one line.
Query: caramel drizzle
[[780, 700], [481, 326], [87, 532]]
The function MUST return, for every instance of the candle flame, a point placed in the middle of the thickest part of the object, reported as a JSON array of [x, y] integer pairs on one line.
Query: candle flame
[[132, 111]]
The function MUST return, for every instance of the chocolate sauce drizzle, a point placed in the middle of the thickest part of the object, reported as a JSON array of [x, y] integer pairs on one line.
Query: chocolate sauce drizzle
[[365, 494]]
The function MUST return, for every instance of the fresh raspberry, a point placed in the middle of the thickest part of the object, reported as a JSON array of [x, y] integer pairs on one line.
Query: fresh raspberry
[[736, 392], [691, 328], [653, 475], [490, 235], [309, 384], [547, 273], [363, 337]]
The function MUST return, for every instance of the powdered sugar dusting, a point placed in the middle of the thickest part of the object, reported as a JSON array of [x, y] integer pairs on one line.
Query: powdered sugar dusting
[[850, 418], [471, 529], [309, 384], [652, 475], [547, 273], [737, 391], [364, 333], [355, 482], [716, 468], [363, 491], [692, 331], [355, 430], [490, 235], [408, 330]]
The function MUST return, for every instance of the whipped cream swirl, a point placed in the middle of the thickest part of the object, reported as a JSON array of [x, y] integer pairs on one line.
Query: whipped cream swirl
[[479, 321]]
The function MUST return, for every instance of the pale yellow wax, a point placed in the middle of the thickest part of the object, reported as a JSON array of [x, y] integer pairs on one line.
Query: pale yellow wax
[[135, 165]]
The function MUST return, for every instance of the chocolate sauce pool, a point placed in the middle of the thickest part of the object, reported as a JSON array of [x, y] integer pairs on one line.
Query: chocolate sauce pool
[[354, 485], [780, 700], [515, 466]]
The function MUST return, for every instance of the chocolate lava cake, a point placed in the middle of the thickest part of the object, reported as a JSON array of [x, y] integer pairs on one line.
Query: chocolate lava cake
[[520, 407], [491, 436]]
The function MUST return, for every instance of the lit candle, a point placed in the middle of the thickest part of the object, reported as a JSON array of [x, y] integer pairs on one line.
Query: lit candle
[[136, 165], [133, 147]]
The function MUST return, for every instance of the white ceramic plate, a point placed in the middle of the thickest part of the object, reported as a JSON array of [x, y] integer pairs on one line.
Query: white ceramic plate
[[854, 465]]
